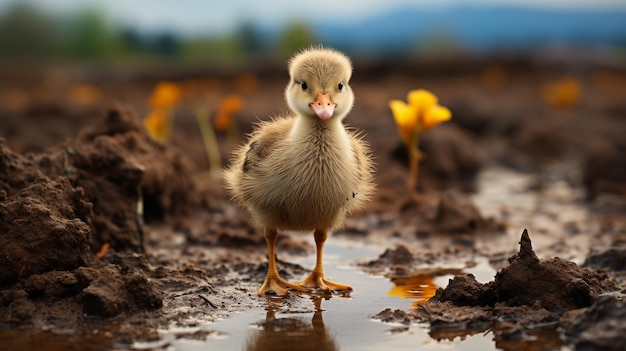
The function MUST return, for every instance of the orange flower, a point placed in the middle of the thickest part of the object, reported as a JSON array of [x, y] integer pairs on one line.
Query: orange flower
[[420, 114], [165, 95], [157, 125], [226, 110], [564, 93]]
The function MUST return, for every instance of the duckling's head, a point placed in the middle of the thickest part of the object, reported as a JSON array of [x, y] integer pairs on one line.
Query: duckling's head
[[319, 84]]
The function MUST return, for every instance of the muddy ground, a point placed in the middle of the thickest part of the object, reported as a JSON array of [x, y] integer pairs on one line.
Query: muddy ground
[[78, 257]]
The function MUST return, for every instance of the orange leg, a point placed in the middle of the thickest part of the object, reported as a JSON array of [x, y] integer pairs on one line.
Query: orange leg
[[316, 278], [273, 282]]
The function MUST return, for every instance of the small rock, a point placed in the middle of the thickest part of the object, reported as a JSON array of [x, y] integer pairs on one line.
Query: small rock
[[104, 298], [393, 316], [143, 293]]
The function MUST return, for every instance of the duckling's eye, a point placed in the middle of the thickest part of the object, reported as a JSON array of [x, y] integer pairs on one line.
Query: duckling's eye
[[340, 86], [303, 85]]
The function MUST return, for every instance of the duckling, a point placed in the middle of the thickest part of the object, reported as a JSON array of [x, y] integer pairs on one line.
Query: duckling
[[304, 171]]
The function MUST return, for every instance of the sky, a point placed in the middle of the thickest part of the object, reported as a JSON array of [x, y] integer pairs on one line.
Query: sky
[[221, 16]]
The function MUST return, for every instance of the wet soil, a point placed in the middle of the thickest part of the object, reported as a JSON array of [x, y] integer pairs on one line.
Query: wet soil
[[124, 242]]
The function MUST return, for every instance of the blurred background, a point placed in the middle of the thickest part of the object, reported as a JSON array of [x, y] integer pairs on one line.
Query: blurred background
[[240, 31], [494, 63]]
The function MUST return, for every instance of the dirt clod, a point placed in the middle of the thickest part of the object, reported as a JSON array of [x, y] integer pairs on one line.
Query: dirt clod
[[111, 292], [464, 290], [393, 316], [601, 327], [52, 284]]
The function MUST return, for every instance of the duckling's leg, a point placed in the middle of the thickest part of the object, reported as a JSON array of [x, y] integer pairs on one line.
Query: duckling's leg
[[316, 278], [272, 281]]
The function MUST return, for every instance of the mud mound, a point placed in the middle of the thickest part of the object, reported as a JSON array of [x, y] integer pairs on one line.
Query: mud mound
[[167, 186], [554, 284], [526, 293], [60, 206], [44, 223], [121, 167], [111, 182]]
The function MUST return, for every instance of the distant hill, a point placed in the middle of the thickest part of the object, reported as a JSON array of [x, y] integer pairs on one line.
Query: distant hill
[[477, 28]]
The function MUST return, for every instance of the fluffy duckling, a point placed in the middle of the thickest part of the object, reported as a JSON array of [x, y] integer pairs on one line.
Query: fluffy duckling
[[304, 171]]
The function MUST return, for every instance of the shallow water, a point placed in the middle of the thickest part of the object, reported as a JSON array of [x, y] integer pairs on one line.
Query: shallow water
[[336, 323]]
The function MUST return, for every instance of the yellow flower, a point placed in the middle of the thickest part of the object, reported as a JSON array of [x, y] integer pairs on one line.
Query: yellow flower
[[157, 125], [421, 113], [405, 117], [165, 95], [227, 108]]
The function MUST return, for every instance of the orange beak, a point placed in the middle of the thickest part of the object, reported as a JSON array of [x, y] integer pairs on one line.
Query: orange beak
[[323, 107]]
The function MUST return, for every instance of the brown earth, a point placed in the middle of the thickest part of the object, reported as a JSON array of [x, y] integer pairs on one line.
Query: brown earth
[[178, 249]]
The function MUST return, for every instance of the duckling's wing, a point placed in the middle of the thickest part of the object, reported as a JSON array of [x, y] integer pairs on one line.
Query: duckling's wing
[[257, 152], [264, 141]]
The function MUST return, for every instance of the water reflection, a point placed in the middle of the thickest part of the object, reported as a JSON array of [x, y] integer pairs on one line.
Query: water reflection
[[419, 285], [298, 322], [453, 334], [292, 333]]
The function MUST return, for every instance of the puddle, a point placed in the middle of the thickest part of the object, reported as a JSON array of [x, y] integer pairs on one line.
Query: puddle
[[339, 323]]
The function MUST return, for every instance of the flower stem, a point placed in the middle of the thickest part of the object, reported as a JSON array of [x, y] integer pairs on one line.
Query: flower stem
[[415, 158], [210, 141]]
